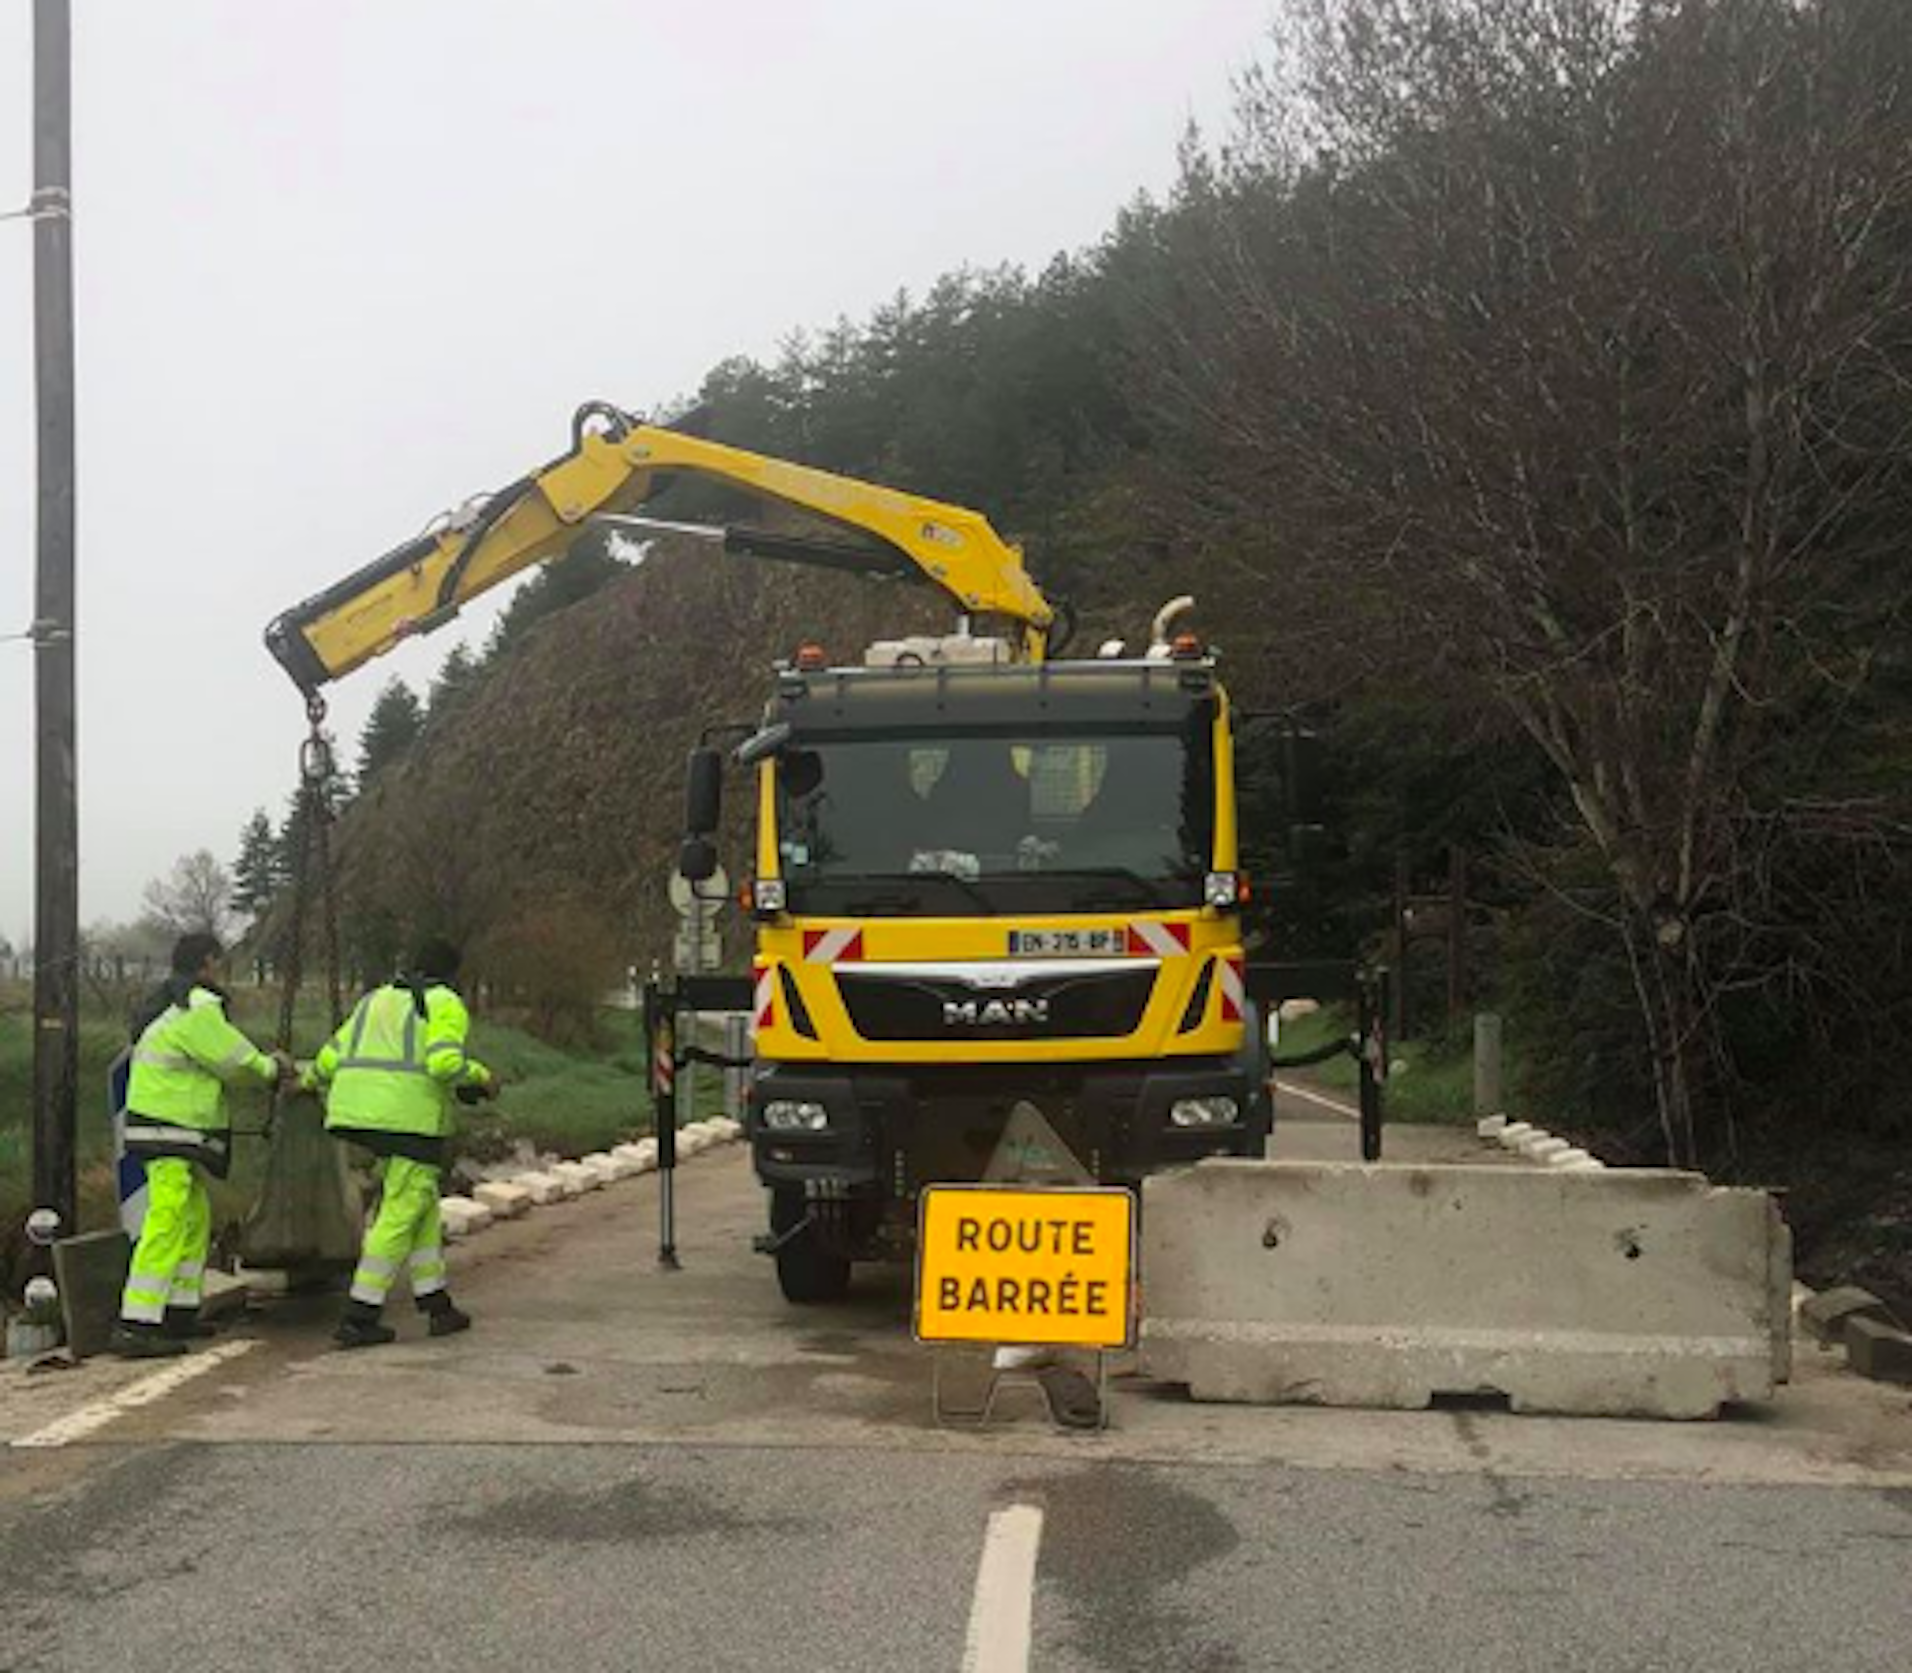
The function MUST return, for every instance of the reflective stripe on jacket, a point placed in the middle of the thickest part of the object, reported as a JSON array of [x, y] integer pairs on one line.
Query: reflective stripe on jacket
[[392, 1066], [182, 1061]]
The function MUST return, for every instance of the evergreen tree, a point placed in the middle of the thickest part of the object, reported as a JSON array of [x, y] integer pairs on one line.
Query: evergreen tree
[[391, 729], [457, 676], [255, 874]]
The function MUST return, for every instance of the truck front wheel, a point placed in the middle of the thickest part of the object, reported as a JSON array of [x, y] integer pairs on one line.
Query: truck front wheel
[[808, 1272]]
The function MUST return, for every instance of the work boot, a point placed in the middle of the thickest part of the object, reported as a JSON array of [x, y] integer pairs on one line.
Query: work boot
[[359, 1327], [446, 1318], [138, 1340], [183, 1324]]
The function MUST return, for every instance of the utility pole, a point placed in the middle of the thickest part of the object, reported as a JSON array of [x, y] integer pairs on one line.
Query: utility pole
[[56, 915]]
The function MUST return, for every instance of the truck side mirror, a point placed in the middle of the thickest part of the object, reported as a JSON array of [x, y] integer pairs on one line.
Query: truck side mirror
[[1301, 768], [703, 794], [697, 859]]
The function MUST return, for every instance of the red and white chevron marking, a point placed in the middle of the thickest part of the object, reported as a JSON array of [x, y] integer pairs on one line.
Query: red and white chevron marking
[[1163, 940], [832, 946], [766, 998], [1233, 979]]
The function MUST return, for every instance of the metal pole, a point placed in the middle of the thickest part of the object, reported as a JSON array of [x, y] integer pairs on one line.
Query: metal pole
[[660, 1028], [736, 1075], [1456, 930], [1397, 1017], [56, 912]]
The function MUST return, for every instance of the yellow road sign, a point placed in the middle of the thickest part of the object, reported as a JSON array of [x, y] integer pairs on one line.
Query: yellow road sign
[[1035, 1265]]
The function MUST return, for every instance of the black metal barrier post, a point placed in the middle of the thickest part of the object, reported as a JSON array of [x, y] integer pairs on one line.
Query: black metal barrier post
[[1367, 986], [660, 1038], [664, 1005]]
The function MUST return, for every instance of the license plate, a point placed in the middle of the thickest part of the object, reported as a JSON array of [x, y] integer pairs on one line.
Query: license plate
[[1067, 943]]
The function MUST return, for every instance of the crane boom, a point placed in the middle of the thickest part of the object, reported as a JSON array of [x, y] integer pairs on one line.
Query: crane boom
[[614, 465]]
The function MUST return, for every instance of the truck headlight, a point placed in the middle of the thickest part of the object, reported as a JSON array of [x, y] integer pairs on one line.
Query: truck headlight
[[786, 1115], [1222, 890], [1203, 1112]]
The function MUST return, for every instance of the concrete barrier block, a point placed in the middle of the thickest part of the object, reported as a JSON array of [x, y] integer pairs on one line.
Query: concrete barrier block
[[505, 1200], [608, 1170], [1826, 1314], [575, 1178], [461, 1216], [1567, 1157], [1511, 1134], [729, 1131], [1636, 1292], [691, 1141], [1879, 1351], [1489, 1126], [91, 1271], [540, 1187], [1542, 1146]]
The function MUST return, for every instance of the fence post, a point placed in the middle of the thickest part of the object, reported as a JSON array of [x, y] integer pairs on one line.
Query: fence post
[[1487, 1088]]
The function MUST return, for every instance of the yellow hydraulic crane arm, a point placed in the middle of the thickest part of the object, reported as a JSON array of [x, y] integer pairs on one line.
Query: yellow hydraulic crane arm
[[615, 464]]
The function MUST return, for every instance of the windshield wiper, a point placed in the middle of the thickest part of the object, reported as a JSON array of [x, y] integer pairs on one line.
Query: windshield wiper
[[916, 879], [1149, 888], [894, 902]]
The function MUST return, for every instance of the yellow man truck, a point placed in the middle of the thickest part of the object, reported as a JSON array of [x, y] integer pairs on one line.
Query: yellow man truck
[[996, 894]]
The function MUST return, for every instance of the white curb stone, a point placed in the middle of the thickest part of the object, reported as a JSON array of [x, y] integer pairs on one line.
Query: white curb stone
[[731, 1131], [576, 1178], [608, 1172], [1489, 1126], [1572, 1156], [1511, 1134], [461, 1216], [642, 1157], [540, 1187], [506, 1201], [1543, 1149]]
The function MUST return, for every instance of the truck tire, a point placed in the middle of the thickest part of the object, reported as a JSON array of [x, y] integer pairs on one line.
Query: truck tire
[[808, 1273]]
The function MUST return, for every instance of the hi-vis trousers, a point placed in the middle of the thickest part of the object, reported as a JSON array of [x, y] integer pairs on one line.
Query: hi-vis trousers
[[169, 1261], [405, 1236]]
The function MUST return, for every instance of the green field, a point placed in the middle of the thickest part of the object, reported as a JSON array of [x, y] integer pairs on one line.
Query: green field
[[566, 1101]]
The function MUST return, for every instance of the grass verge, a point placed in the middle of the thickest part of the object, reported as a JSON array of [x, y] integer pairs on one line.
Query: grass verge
[[1429, 1081]]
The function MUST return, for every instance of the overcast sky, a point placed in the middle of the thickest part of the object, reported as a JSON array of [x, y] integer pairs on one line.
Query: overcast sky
[[342, 263]]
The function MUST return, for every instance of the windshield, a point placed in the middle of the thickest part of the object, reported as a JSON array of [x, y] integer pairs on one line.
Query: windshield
[[956, 823]]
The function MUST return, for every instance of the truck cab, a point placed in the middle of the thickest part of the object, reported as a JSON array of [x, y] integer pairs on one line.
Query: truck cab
[[992, 901]]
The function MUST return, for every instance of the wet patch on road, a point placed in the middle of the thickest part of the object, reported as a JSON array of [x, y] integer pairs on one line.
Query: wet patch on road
[[1125, 1544], [634, 1511]]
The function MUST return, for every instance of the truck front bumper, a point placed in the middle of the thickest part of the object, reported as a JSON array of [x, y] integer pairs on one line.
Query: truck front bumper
[[889, 1130]]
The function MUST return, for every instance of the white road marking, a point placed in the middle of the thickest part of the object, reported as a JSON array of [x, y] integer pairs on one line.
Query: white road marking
[[1334, 1104], [999, 1618], [77, 1425]]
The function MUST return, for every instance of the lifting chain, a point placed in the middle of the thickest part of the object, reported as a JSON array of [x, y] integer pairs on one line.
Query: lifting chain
[[312, 846]]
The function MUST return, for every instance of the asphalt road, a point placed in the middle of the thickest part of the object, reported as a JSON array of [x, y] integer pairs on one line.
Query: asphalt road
[[627, 1469]]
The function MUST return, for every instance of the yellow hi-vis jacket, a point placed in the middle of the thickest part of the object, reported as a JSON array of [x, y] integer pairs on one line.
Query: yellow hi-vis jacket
[[393, 1065], [176, 1094]]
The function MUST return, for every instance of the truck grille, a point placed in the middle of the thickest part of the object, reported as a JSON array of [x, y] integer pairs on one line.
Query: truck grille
[[997, 1002]]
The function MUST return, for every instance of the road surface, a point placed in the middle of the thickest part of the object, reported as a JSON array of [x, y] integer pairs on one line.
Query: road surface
[[623, 1468]]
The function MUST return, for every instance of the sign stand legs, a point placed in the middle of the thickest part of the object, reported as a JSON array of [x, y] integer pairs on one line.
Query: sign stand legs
[[1016, 1377]]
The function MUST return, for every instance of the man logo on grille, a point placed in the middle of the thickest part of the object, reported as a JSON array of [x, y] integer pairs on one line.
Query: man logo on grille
[[994, 1013]]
